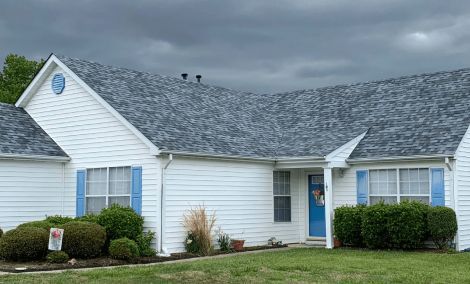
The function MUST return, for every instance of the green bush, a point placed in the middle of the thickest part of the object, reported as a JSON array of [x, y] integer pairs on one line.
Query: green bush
[[83, 239], [347, 225], [373, 226], [26, 243], [442, 224], [1, 232], [58, 220], [121, 222], [88, 218], [123, 248], [407, 224], [144, 242], [43, 224], [191, 244], [57, 257]]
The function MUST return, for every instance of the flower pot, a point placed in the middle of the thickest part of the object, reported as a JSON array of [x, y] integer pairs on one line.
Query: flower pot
[[337, 243], [237, 245]]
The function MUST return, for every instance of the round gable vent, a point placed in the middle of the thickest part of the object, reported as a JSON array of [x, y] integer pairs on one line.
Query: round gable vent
[[58, 83]]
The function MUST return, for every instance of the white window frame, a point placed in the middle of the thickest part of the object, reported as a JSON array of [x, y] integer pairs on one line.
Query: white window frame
[[107, 195], [282, 195], [398, 195]]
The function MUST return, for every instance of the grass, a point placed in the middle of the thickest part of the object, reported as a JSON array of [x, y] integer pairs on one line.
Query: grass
[[297, 265]]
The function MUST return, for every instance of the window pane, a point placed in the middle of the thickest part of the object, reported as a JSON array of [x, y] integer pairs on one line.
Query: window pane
[[383, 182], [119, 180], [95, 204], [424, 181], [424, 199], [96, 181], [282, 210], [121, 200], [374, 188], [385, 199]]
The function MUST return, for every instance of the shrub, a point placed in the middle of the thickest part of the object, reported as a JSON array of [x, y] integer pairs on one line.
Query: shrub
[[88, 218], [347, 225], [26, 243], [144, 242], [1, 232], [442, 224], [373, 226], [190, 244], [57, 257], [199, 226], [224, 241], [83, 239], [406, 224], [121, 222], [123, 248], [43, 224], [58, 220]]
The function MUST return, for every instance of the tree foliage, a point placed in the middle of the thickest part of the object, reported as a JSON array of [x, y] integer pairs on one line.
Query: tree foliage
[[17, 73]]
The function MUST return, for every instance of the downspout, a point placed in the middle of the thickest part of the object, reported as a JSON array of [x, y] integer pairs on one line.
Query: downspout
[[63, 188], [162, 204]]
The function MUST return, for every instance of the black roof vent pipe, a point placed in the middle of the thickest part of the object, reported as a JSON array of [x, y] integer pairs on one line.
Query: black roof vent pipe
[[198, 78], [185, 76]]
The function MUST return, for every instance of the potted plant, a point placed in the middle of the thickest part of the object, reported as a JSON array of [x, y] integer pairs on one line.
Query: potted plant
[[337, 243], [237, 245]]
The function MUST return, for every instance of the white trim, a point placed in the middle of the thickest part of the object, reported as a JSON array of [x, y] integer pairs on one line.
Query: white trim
[[348, 144], [398, 195], [107, 195], [33, 157], [398, 158], [27, 94]]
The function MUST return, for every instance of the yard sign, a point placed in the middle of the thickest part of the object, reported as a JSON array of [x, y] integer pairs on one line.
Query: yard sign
[[55, 238]]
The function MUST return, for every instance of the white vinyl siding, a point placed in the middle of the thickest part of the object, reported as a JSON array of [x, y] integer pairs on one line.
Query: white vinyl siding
[[94, 138], [239, 193], [462, 178], [344, 181], [29, 191]]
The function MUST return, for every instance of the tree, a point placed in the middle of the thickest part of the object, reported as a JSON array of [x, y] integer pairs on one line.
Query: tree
[[16, 75]]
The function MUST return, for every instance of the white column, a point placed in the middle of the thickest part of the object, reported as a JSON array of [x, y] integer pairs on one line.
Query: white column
[[328, 175]]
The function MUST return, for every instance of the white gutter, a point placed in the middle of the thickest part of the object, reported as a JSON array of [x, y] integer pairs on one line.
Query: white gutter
[[162, 203], [395, 158], [242, 158], [34, 157]]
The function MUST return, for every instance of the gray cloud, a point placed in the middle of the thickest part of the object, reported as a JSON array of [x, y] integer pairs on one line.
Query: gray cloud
[[260, 46]]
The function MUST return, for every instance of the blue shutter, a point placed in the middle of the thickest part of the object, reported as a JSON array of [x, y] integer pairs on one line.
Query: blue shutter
[[80, 205], [362, 182], [136, 194], [437, 187]]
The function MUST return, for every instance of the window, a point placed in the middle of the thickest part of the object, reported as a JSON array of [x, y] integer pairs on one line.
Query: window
[[106, 186], [281, 192], [392, 185]]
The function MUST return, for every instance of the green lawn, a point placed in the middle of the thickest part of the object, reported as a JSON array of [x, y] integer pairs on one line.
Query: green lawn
[[296, 265]]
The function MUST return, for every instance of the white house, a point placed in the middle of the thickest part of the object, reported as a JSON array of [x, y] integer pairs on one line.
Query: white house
[[84, 135]]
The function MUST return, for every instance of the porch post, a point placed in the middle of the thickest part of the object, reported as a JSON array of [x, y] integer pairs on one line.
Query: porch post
[[328, 176]]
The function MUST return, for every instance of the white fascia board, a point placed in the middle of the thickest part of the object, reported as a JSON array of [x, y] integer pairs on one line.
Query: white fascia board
[[342, 162], [25, 97], [34, 157], [36, 82], [399, 158]]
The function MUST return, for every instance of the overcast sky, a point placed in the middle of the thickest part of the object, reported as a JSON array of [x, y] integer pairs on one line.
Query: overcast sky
[[259, 46]]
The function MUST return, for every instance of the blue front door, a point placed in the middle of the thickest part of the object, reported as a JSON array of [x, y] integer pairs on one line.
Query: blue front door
[[316, 202]]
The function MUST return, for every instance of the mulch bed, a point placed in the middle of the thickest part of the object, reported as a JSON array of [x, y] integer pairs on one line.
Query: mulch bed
[[10, 266]]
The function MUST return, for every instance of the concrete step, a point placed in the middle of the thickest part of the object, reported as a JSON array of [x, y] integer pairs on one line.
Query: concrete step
[[316, 243]]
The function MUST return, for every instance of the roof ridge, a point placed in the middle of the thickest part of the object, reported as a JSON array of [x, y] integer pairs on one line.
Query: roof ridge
[[59, 56], [378, 81]]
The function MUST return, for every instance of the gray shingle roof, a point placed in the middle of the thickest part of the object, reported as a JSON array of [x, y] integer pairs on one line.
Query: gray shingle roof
[[20, 135], [414, 115]]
